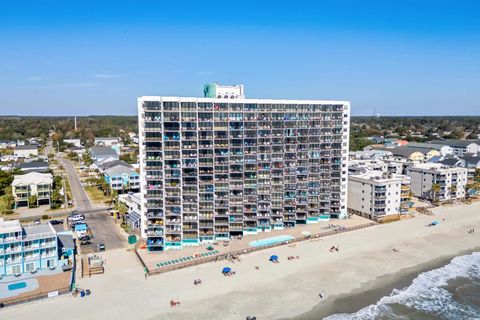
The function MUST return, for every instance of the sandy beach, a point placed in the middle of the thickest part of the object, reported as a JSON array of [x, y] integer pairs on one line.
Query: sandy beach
[[275, 291]]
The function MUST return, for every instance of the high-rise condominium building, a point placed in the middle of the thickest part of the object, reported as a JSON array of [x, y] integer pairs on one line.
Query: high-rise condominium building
[[212, 168]]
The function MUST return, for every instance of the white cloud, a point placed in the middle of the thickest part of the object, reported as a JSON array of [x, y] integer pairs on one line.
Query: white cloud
[[108, 75]]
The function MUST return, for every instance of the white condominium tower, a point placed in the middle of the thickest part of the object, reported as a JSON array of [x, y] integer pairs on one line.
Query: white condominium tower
[[212, 168]]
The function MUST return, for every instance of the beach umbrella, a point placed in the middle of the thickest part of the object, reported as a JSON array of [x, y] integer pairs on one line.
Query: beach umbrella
[[273, 258], [226, 270]]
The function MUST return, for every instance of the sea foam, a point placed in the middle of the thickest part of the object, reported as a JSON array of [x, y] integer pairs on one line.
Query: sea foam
[[427, 294]]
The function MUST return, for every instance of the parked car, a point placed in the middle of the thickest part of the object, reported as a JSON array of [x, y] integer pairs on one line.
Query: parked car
[[53, 222], [36, 221], [101, 246], [76, 217], [84, 238], [85, 242]]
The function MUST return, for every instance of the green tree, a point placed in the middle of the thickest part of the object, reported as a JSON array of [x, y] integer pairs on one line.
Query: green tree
[[436, 188], [32, 201], [87, 159]]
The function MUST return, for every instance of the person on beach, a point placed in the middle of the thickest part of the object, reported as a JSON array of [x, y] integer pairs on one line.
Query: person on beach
[[257, 268], [322, 294], [395, 250]]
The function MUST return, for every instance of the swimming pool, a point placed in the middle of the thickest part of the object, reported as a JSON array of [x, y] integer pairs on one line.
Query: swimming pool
[[17, 285], [270, 241]]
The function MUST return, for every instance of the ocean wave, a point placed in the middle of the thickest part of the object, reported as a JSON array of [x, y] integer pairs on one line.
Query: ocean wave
[[427, 294]]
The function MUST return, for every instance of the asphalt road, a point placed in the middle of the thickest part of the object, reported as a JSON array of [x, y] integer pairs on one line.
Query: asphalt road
[[80, 197], [102, 226]]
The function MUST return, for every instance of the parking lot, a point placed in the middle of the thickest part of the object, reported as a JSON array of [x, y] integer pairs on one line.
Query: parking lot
[[104, 230], [101, 229]]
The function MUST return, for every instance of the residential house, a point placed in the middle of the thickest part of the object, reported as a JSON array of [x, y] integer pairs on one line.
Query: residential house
[[106, 141], [7, 144], [80, 151], [460, 146], [26, 151], [27, 249], [425, 177], [103, 155], [370, 154], [122, 177], [133, 202], [408, 153], [472, 160], [452, 162], [442, 148], [34, 166], [32, 184], [74, 142]]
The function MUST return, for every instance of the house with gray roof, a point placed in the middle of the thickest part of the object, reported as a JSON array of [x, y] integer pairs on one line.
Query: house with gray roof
[[33, 166], [122, 177], [426, 147], [472, 160], [26, 151], [102, 155], [460, 146]]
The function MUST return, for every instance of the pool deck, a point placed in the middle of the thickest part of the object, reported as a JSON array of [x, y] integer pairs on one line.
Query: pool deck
[[159, 262], [42, 283]]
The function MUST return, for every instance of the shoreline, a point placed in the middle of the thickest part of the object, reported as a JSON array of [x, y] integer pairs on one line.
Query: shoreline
[[285, 290], [372, 291]]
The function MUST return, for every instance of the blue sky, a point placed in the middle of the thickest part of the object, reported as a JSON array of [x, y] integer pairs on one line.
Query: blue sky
[[95, 57]]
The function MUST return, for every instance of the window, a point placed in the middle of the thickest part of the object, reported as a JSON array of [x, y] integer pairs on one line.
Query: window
[[50, 263], [16, 269], [29, 267]]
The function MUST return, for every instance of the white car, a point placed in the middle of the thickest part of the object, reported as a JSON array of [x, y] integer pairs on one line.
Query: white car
[[76, 217]]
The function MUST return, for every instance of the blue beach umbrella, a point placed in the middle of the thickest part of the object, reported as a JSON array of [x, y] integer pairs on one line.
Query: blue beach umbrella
[[273, 258], [226, 270]]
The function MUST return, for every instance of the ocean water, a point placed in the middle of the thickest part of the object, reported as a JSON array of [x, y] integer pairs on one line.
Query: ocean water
[[451, 292]]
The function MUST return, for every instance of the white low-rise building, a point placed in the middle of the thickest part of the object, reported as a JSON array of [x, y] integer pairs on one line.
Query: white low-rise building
[[427, 177], [75, 142], [376, 195], [26, 151], [32, 184], [106, 141], [460, 147], [133, 202]]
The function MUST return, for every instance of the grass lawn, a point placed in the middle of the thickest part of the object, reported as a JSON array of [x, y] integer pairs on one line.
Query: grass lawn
[[95, 194]]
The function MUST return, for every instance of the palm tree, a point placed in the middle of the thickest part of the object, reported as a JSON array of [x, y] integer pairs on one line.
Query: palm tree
[[436, 188], [453, 189]]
